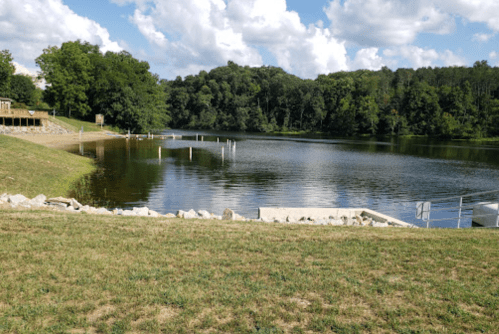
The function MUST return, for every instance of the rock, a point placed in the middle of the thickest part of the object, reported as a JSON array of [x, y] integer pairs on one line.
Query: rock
[[58, 206], [153, 213], [70, 208], [320, 222], [228, 214], [75, 204], [38, 201], [59, 200], [204, 214], [290, 220], [238, 217], [141, 211], [180, 214], [16, 199], [4, 197], [219, 217], [170, 215], [335, 222], [129, 213], [85, 208], [191, 214], [376, 224], [358, 219]]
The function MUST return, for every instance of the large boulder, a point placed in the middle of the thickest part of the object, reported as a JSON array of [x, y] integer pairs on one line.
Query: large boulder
[[38, 200], [228, 214], [75, 204], [153, 214], [170, 215], [191, 214], [16, 199], [129, 213], [143, 212], [59, 199], [204, 214]]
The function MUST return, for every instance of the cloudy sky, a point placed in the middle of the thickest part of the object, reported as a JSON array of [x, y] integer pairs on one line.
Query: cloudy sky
[[306, 38]]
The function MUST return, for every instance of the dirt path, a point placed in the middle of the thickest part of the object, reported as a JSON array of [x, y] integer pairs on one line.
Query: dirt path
[[64, 140]]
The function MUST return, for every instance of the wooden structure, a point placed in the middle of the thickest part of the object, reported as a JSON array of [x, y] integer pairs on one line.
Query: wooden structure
[[99, 119], [21, 117]]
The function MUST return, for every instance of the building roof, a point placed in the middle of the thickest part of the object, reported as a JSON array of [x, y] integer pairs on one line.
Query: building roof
[[5, 99]]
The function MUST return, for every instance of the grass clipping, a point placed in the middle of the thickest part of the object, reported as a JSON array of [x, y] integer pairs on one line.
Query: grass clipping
[[32, 169], [94, 274]]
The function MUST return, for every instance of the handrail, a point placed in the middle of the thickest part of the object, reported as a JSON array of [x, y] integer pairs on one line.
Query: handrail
[[423, 209]]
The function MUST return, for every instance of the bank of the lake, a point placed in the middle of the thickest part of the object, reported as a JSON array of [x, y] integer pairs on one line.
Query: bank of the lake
[[32, 169]]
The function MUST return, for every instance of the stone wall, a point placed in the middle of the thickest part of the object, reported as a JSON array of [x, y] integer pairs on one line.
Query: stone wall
[[48, 128]]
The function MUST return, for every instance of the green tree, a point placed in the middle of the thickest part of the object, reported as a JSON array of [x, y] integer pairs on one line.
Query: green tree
[[68, 71], [6, 71], [22, 89]]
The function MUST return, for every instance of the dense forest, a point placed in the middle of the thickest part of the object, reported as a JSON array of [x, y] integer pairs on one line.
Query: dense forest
[[451, 102], [457, 102]]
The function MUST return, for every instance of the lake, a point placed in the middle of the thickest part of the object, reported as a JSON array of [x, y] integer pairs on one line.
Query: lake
[[388, 176]]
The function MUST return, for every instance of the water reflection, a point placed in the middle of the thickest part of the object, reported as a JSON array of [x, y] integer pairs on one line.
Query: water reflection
[[388, 176]]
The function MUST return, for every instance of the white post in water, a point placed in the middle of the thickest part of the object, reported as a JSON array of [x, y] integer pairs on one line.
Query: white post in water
[[173, 135], [196, 137], [218, 139], [190, 153], [234, 146], [202, 138], [222, 153], [152, 136], [159, 152], [227, 142], [79, 132], [128, 133]]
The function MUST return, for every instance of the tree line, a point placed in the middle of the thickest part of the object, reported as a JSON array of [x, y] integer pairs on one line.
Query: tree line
[[451, 102]]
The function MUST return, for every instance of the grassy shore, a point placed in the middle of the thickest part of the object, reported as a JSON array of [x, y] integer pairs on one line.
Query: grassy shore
[[32, 169], [64, 273], [75, 125]]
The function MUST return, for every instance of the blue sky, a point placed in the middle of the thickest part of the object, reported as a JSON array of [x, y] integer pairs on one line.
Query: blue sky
[[306, 38]]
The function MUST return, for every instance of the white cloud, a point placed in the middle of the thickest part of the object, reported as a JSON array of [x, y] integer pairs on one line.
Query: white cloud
[[482, 37], [419, 57], [493, 54], [367, 59], [386, 22], [217, 32], [450, 59], [29, 26], [482, 11]]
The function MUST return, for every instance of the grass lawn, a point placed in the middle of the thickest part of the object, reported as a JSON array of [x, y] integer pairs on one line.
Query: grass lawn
[[75, 125], [32, 169], [64, 273]]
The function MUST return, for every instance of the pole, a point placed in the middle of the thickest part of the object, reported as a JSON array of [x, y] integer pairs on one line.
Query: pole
[[202, 138], [190, 153], [159, 152], [222, 153], [459, 215]]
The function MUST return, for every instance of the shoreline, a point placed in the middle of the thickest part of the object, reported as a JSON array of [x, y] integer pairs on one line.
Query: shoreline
[[62, 141]]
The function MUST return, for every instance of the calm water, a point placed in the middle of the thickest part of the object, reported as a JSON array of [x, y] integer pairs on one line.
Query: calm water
[[389, 177]]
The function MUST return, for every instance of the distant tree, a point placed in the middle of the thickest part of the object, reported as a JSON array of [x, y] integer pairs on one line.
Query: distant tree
[[22, 89], [68, 71], [6, 71]]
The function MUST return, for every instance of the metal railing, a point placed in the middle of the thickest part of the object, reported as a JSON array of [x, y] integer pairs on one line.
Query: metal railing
[[423, 209]]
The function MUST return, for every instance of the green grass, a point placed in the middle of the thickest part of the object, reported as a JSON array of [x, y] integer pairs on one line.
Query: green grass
[[32, 169], [64, 273], [76, 124]]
